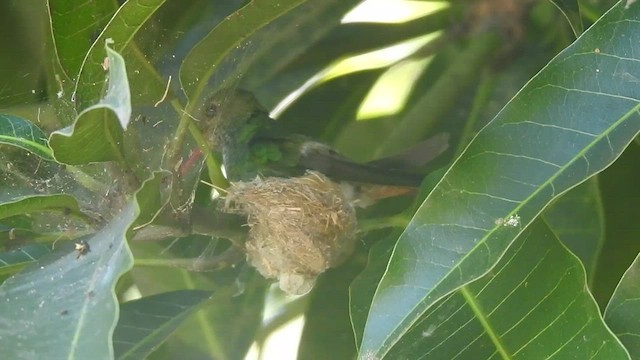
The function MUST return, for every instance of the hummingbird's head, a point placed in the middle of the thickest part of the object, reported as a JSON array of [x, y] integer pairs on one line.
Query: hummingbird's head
[[228, 110]]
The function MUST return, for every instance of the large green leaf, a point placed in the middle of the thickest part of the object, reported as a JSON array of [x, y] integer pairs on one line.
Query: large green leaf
[[74, 26], [569, 122], [122, 28], [63, 203], [145, 323], [577, 219], [203, 60], [532, 305], [537, 285], [95, 136], [69, 310], [19, 132], [623, 311]]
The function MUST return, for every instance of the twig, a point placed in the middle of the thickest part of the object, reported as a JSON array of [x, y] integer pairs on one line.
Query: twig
[[164, 96], [226, 259]]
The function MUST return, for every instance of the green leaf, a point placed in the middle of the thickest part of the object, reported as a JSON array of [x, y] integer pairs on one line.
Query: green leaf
[[288, 40], [12, 261], [531, 305], [537, 281], [64, 203], [363, 287], [577, 219], [19, 132], [118, 96], [623, 311], [74, 26], [571, 10], [225, 327], [145, 323], [557, 132], [203, 60], [69, 309], [122, 28], [461, 73], [304, 47], [94, 136], [326, 320], [153, 196]]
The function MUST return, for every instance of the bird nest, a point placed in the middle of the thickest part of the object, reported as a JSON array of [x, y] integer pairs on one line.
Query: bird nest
[[299, 227]]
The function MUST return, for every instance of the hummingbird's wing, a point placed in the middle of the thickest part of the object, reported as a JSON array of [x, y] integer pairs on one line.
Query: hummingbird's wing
[[320, 157], [254, 144], [301, 153]]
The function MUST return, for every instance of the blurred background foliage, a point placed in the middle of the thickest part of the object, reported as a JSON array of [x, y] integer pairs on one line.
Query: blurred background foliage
[[437, 62]]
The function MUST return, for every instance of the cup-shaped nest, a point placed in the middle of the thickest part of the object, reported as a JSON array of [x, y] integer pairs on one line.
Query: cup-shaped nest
[[299, 227]]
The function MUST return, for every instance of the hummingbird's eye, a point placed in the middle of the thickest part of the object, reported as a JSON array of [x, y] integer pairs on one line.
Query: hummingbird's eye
[[212, 110]]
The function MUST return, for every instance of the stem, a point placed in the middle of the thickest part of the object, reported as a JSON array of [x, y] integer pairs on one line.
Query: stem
[[483, 318], [214, 168], [86, 180], [222, 261], [178, 138], [395, 221], [207, 221]]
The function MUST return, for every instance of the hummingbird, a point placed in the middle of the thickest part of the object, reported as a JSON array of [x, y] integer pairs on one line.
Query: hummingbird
[[253, 144]]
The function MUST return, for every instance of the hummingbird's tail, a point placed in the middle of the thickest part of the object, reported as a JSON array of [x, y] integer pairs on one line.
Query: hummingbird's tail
[[342, 169]]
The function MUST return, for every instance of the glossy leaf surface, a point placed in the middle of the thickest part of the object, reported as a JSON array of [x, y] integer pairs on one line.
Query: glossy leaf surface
[[69, 309], [569, 122]]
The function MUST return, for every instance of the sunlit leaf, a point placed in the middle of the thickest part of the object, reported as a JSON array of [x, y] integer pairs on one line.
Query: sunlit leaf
[[423, 114], [537, 281], [623, 311], [69, 308], [19, 132], [532, 305], [291, 38], [557, 132], [145, 323]]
